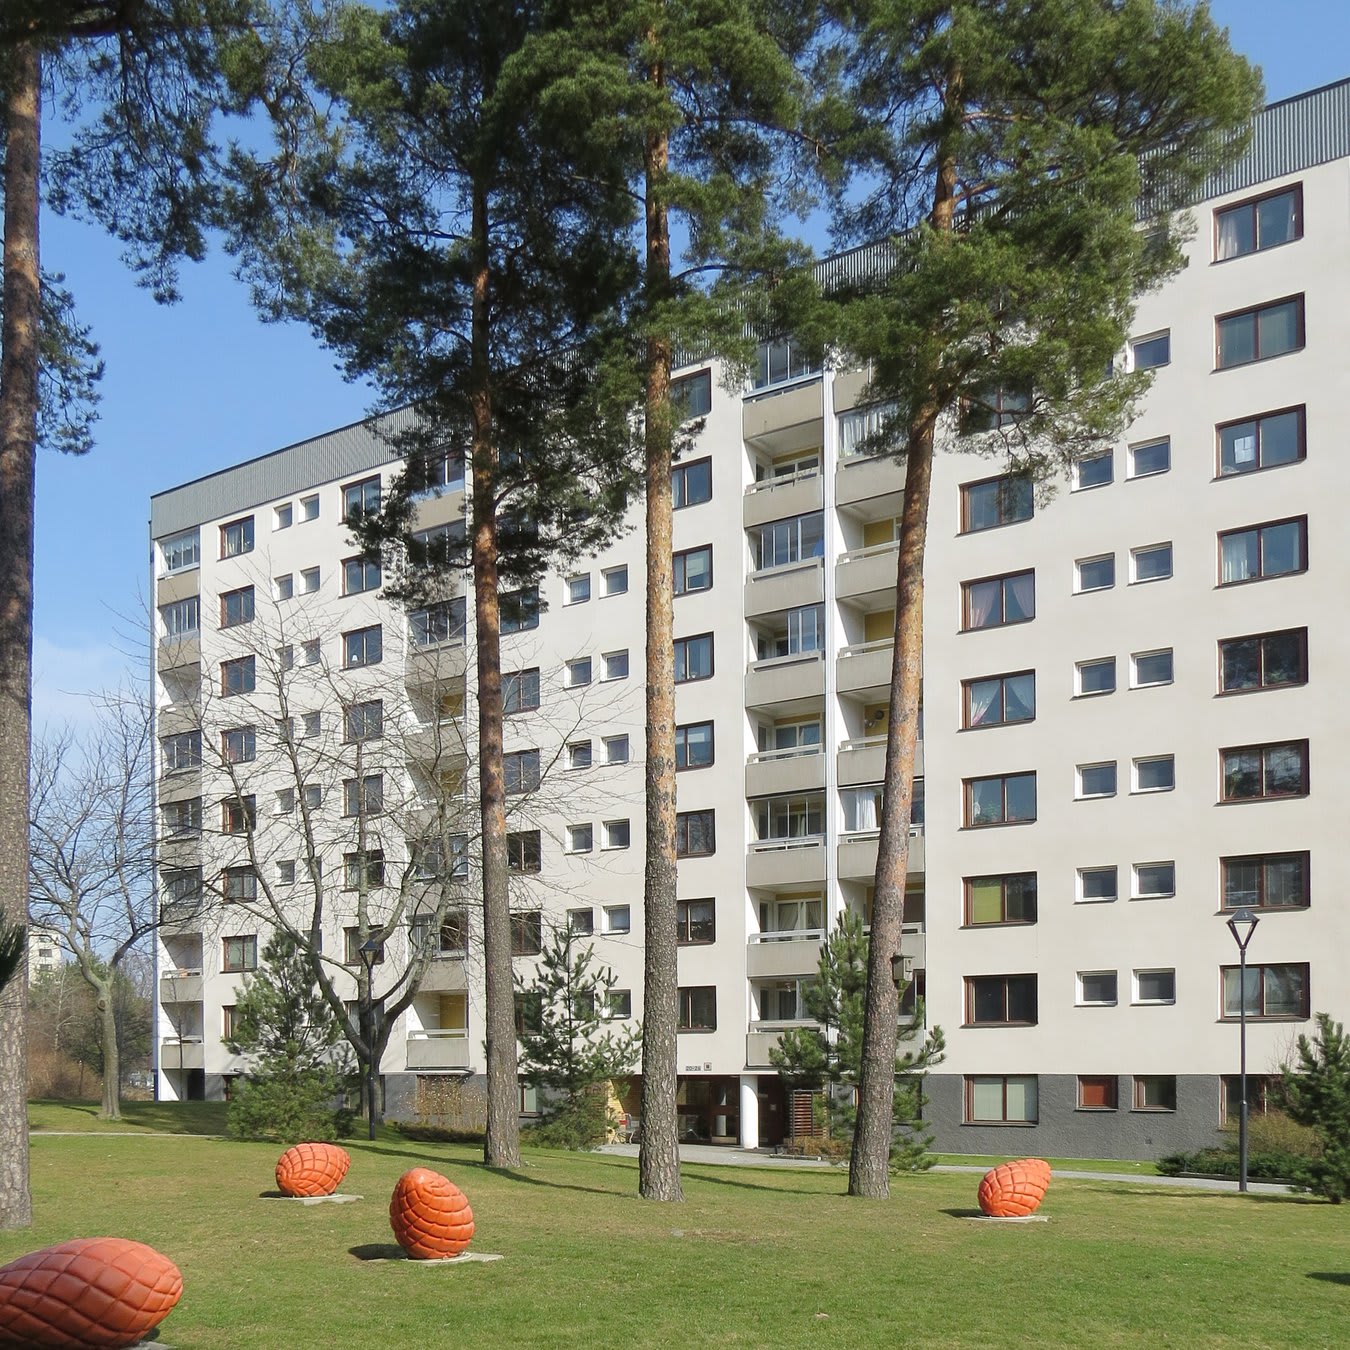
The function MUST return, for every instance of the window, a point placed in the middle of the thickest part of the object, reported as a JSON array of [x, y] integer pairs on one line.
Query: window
[[181, 887], [995, 601], [360, 574], [1261, 442], [1256, 334], [239, 885], [1010, 898], [578, 589], [995, 501], [452, 940], [364, 647], [527, 932], [779, 361], [239, 954], [429, 857], [435, 624], [309, 580], [577, 673], [1270, 991], [619, 1003], [1005, 1100], [1147, 353], [695, 922], [693, 658], [1096, 988], [795, 632], [181, 751], [442, 545], [579, 755], [694, 745], [1095, 677], [1006, 799], [999, 1000], [310, 652], [698, 1008], [523, 852], [691, 395], [1001, 406], [691, 483], [352, 944], [1096, 780], [1150, 668], [999, 699], [239, 745], [519, 609], [580, 838], [1155, 1092], [361, 500], [1096, 884], [286, 872], [1151, 563], [363, 796], [615, 580], [1155, 986], [1261, 551], [1263, 660], [1155, 773], [364, 721], [285, 658], [1252, 772], [616, 834], [1095, 574], [311, 723], [239, 676], [236, 538], [181, 552], [1094, 471], [229, 1022], [1150, 457], [1266, 881], [616, 749], [520, 769], [520, 691], [363, 869], [284, 801], [312, 795], [238, 815], [1154, 881], [183, 817], [1262, 222], [283, 516], [181, 619], [693, 570], [779, 818], [615, 665], [581, 922], [1098, 1092], [615, 918], [781, 543], [859, 429], [309, 508], [1260, 1097], [695, 834]]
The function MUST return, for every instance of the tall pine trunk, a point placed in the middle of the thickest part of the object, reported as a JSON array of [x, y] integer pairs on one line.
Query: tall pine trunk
[[111, 1108], [19, 358], [869, 1162], [659, 1154], [501, 1144]]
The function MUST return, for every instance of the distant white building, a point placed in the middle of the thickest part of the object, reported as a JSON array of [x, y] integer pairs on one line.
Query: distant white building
[[44, 950]]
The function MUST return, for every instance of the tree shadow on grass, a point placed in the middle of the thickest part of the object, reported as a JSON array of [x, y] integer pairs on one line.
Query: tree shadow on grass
[[1137, 1191], [716, 1176], [1330, 1276]]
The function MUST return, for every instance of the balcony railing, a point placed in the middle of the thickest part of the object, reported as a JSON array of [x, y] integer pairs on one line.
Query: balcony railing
[[871, 551], [788, 935], [787, 752], [438, 1049], [778, 845], [815, 564], [864, 743], [862, 648], [782, 480]]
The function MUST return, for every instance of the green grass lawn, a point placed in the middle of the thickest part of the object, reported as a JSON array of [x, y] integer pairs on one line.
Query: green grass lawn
[[754, 1257], [150, 1117]]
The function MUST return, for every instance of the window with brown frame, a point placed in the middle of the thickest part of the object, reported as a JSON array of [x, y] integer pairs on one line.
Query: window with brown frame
[[1009, 898], [992, 602], [1257, 772], [991, 502], [1098, 1092], [1265, 881], [1260, 1098], [1155, 1092], [698, 1008], [238, 815], [239, 676], [997, 700], [239, 953], [1259, 333], [1258, 223], [527, 932], [695, 834], [1000, 1000], [1005, 799], [1271, 991], [1263, 661], [236, 607], [1004, 1099], [1274, 548], [1262, 442], [695, 922]]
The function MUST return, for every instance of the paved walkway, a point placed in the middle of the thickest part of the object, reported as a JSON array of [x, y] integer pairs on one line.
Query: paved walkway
[[740, 1157]]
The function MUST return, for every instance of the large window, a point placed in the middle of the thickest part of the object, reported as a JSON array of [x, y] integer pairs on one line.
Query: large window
[[860, 429], [793, 633], [691, 483], [1263, 661], [363, 796], [434, 624], [693, 570], [181, 551], [790, 817], [999, 699], [1266, 881], [363, 647], [779, 361], [182, 817], [1270, 991], [1008, 898], [995, 501], [694, 745], [181, 751], [698, 1008], [1000, 1000], [1000, 406], [239, 953], [364, 721], [1261, 442], [1005, 799], [360, 574], [236, 538], [181, 619], [239, 676], [520, 691], [239, 745], [236, 607], [1253, 772], [519, 609], [693, 658], [781, 543], [1258, 551], [993, 601], [520, 770], [523, 851], [695, 922], [361, 500], [1001, 1100], [691, 395], [1261, 222], [1256, 334], [527, 932], [695, 834]]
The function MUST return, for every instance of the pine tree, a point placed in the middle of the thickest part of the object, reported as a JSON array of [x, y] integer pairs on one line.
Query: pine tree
[[1316, 1092]]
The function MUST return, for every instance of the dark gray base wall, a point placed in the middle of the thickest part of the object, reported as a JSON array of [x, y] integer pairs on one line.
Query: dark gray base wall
[[457, 1101], [1064, 1131]]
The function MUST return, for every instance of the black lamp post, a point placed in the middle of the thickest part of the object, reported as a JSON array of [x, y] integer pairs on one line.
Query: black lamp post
[[1242, 925], [369, 952]]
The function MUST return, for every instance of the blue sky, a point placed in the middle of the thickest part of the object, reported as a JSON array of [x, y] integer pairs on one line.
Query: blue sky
[[200, 385]]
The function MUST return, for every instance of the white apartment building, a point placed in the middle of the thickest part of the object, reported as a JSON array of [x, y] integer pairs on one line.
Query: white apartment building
[[1131, 726], [44, 951]]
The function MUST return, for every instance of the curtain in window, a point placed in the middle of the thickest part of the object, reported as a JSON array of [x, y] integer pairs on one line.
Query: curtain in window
[[1233, 239], [1240, 556], [862, 809], [1021, 1098], [983, 696], [982, 600]]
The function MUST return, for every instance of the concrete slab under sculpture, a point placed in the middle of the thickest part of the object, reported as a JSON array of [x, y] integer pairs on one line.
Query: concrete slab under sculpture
[[430, 1215], [311, 1170], [1015, 1189], [102, 1293]]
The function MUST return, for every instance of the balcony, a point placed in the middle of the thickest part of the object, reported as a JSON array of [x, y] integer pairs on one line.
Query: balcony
[[441, 744], [437, 1050], [765, 1036], [178, 586], [871, 486], [445, 975], [180, 986], [777, 498], [178, 785], [867, 575], [182, 916], [864, 669], [781, 681], [786, 587], [784, 418], [864, 761], [858, 854], [443, 506], [180, 652], [772, 863], [775, 955], [777, 771], [182, 1052], [436, 667]]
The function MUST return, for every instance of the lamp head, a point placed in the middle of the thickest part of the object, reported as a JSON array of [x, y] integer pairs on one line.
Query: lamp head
[[1242, 925]]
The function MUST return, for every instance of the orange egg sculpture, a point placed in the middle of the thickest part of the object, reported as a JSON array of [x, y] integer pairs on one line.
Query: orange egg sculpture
[[1015, 1189], [90, 1292], [430, 1215], [312, 1169]]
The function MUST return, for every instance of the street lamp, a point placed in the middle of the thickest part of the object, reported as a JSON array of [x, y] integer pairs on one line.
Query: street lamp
[[369, 951], [1242, 925]]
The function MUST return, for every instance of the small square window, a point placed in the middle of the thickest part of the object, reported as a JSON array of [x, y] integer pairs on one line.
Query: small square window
[[283, 516], [1152, 563], [580, 838], [1096, 885], [616, 749], [1096, 780], [285, 802], [1152, 457], [1154, 881], [1095, 574], [581, 922], [1096, 677], [616, 918], [1147, 353], [286, 872], [285, 658], [309, 580], [311, 723], [1094, 471], [615, 580], [1155, 986], [309, 508], [615, 665], [1098, 1092], [617, 834], [577, 673], [579, 755], [579, 589], [313, 796], [283, 587], [1096, 988], [1150, 668], [1155, 1092], [309, 652], [1155, 773]]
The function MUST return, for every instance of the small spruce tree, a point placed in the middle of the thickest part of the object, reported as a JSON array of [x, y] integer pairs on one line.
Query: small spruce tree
[[1317, 1093]]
